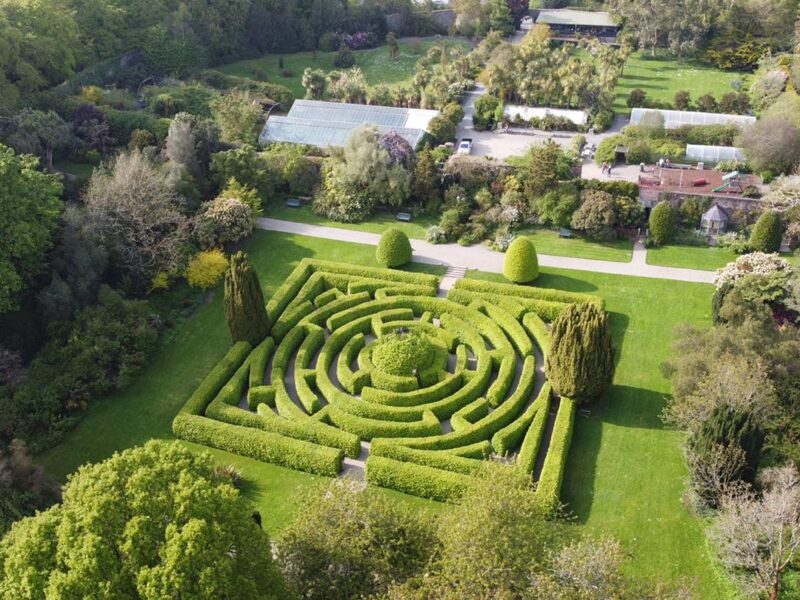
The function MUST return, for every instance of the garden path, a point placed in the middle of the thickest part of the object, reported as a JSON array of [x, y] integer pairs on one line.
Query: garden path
[[484, 259]]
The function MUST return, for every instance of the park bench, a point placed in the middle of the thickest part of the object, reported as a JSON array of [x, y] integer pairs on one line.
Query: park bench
[[293, 203], [404, 216], [564, 233]]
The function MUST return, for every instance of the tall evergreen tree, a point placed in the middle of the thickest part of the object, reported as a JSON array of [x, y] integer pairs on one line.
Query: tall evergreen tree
[[580, 364], [767, 232], [244, 303], [727, 426]]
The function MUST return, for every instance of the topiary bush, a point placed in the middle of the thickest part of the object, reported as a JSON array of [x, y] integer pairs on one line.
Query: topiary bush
[[244, 303], [394, 249], [662, 223], [403, 352], [580, 362], [521, 264], [767, 233]]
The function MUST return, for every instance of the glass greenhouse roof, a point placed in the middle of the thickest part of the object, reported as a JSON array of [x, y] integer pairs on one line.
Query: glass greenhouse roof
[[318, 123], [677, 118], [713, 154]]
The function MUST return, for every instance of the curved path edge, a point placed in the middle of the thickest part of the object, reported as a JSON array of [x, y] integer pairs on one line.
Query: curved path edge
[[485, 259]]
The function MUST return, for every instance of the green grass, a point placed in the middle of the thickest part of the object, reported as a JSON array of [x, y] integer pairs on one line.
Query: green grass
[[377, 224], [662, 76], [145, 410], [79, 169], [548, 242], [376, 63], [699, 257], [625, 474]]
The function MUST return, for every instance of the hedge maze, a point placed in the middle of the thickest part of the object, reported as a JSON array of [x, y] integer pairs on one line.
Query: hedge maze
[[366, 361]]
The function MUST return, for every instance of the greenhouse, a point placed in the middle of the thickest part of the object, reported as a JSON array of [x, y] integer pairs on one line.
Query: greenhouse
[[713, 154], [678, 118], [318, 123]]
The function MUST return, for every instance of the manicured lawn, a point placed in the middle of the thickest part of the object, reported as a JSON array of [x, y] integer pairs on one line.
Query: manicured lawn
[[376, 63], [146, 409], [698, 257], [377, 224], [625, 473], [548, 242], [662, 76]]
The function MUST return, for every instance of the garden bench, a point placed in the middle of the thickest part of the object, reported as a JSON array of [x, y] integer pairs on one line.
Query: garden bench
[[404, 216], [564, 233], [293, 203]]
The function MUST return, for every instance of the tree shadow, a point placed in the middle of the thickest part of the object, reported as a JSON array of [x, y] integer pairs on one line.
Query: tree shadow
[[564, 282]]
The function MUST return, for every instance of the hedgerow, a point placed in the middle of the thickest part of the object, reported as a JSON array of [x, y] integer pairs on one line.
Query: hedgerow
[[361, 353]]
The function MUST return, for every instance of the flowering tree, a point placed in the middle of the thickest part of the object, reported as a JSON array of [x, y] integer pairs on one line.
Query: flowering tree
[[755, 263]]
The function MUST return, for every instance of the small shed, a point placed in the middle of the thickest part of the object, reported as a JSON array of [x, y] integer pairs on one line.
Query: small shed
[[714, 220]]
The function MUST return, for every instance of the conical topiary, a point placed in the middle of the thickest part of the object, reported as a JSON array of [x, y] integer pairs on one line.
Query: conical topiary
[[662, 223], [521, 265], [580, 364], [394, 249], [767, 233], [244, 302]]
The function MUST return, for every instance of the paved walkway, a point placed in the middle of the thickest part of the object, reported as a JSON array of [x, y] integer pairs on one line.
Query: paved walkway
[[485, 259]]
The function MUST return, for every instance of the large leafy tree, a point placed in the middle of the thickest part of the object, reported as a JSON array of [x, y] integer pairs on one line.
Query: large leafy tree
[[152, 522], [29, 210], [41, 133]]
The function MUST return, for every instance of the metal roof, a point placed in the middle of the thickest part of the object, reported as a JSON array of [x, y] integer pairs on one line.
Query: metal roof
[[713, 154], [568, 16], [715, 213], [319, 123], [579, 117], [677, 118]]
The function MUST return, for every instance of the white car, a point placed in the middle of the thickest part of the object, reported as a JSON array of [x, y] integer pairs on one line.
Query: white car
[[465, 147]]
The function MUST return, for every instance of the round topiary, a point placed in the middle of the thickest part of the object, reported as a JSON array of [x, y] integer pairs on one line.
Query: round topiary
[[394, 249], [767, 233], [521, 264], [403, 352], [662, 223]]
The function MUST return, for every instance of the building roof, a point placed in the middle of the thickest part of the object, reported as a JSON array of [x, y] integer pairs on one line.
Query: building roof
[[713, 154], [569, 16], [677, 118], [579, 117], [715, 213], [319, 123]]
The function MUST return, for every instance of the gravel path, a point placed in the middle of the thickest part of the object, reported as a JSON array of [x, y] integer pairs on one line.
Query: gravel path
[[484, 259]]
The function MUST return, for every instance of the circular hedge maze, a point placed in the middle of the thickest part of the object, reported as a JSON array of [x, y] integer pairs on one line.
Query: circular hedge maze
[[365, 362]]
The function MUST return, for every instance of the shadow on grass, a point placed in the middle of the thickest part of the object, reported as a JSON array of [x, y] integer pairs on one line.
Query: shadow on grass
[[564, 282]]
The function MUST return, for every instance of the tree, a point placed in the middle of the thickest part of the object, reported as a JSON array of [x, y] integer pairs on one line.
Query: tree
[[662, 223], [767, 233], [520, 264], [206, 269], [580, 363], [30, 206], [597, 215], [239, 116], [442, 129], [132, 208], [707, 103], [771, 143], [344, 58], [471, 17], [556, 207], [394, 249], [541, 169], [391, 41], [245, 310], [757, 538], [500, 17], [348, 542], [24, 487], [40, 133], [151, 522], [222, 220], [314, 82], [425, 180], [636, 98], [399, 150], [683, 100]]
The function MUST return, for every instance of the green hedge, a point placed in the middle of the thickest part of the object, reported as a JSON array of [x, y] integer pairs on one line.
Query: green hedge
[[303, 381], [431, 458], [260, 394], [538, 330], [505, 379], [517, 291], [260, 445], [372, 428], [259, 358], [529, 450], [548, 488], [216, 379], [418, 480], [509, 437], [443, 389], [465, 417]]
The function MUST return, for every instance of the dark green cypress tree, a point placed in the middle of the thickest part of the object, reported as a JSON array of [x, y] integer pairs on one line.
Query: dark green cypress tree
[[244, 302], [580, 364], [767, 232], [727, 426]]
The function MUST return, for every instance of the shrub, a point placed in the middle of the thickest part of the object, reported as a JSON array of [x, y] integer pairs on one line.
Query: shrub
[[453, 112], [402, 352], [683, 100], [596, 216], [442, 129], [344, 58], [521, 264], [223, 220], [662, 223], [244, 303], [767, 232], [206, 269], [636, 98], [394, 249], [580, 363]]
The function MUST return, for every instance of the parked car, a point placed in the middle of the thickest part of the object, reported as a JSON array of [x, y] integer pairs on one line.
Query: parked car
[[465, 147]]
